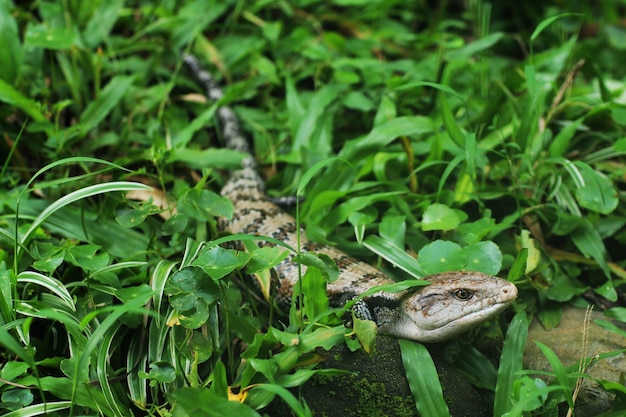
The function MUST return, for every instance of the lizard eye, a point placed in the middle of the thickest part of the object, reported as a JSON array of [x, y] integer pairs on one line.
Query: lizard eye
[[463, 294]]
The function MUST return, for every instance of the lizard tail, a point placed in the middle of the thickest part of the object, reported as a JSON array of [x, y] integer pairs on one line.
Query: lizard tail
[[233, 137]]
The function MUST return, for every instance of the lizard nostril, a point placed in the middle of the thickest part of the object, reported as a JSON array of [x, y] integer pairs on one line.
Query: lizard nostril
[[509, 290]]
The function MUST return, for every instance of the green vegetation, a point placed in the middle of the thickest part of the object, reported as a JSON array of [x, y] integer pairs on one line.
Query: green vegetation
[[447, 131]]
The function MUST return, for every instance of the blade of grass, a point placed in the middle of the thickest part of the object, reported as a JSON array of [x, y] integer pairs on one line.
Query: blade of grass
[[511, 362], [423, 379]]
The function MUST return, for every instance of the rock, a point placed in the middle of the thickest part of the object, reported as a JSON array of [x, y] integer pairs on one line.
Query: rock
[[566, 341], [379, 387]]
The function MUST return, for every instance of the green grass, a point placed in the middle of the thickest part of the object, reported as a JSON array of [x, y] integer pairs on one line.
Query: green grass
[[455, 134]]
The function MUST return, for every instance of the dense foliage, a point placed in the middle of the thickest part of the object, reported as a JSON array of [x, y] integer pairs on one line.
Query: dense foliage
[[465, 135]]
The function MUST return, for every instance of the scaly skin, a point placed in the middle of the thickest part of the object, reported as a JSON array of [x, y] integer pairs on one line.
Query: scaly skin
[[453, 303]]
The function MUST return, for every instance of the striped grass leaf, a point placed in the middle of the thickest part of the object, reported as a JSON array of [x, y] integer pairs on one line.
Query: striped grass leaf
[[423, 379], [118, 405], [78, 336], [80, 395], [136, 359], [159, 277], [113, 314], [50, 283], [90, 191], [118, 266], [76, 195], [511, 363], [42, 409]]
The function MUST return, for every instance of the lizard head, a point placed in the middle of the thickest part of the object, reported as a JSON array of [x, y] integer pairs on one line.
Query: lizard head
[[453, 303]]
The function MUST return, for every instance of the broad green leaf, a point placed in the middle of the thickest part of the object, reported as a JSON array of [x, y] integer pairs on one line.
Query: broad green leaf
[[220, 383], [589, 243], [441, 256], [358, 101], [217, 262], [204, 204], [191, 293], [607, 290], [85, 256], [50, 263], [102, 21], [392, 228], [550, 316], [7, 284], [597, 193], [175, 224], [41, 36], [365, 331], [221, 158], [11, 51], [440, 217], [483, 257], [160, 372], [360, 220], [314, 291], [564, 288], [18, 396], [324, 263], [12, 369], [533, 254], [617, 313], [12, 97], [143, 292], [265, 258], [132, 214], [423, 379]]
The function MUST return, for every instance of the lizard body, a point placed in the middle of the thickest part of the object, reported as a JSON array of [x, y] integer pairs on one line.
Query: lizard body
[[453, 303]]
